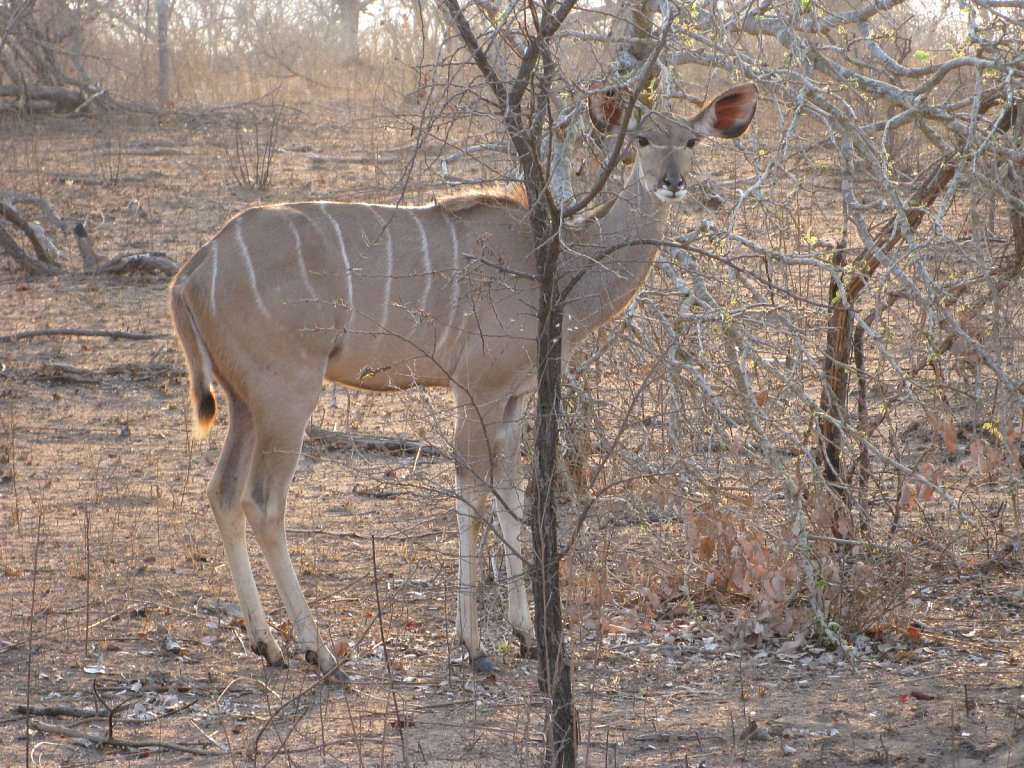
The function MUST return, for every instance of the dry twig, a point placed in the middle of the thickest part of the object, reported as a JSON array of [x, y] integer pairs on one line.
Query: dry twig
[[353, 441], [85, 332], [109, 741]]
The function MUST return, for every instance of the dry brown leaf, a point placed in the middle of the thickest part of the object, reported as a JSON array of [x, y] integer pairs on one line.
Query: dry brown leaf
[[932, 474], [706, 547], [908, 496], [949, 436], [984, 456]]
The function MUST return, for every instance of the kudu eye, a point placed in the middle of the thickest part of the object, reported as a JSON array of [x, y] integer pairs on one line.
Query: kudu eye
[[691, 143], [643, 141]]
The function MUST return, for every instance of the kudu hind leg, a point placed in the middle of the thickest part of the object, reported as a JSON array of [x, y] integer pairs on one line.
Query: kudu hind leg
[[472, 467], [225, 494], [278, 445]]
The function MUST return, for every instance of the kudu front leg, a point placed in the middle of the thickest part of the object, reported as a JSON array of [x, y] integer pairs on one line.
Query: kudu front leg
[[509, 503]]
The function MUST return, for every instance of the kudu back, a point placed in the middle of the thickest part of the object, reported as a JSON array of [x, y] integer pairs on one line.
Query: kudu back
[[383, 298]]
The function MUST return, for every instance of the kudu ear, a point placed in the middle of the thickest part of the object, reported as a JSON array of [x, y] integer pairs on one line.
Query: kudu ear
[[727, 115], [607, 109]]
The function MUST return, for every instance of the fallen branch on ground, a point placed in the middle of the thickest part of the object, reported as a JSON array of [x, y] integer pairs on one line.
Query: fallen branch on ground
[[44, 256], [57, 711], [350, 441], [57, 373], [361, 537], [86, 332], [109, 741], [42, 263], [150, 261], [383, 159]]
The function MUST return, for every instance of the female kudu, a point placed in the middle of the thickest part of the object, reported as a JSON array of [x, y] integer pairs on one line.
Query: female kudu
[[383, 298]]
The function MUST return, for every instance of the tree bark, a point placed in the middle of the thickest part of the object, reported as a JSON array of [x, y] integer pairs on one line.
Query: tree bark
[[348, 18], [534, 80], [555, 667], [163, 50]]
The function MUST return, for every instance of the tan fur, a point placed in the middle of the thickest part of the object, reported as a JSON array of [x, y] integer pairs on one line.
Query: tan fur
[[513, 195]]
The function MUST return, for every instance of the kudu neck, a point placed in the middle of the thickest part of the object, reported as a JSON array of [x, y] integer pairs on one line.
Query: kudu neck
[[615, 254]]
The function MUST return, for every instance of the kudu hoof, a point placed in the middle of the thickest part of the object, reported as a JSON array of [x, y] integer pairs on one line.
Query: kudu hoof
[[529, 652], [527, 646], [337, 677], [262, 648], [484, 666], [334, 675]]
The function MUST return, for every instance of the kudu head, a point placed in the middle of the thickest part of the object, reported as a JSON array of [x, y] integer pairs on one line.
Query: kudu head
[[665, 144]]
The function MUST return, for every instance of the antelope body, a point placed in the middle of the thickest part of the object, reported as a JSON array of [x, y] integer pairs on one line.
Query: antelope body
[[383, 298]]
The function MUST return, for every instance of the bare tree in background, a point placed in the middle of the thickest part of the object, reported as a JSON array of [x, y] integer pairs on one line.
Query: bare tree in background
[[43, 58], [348, 12], [163, 18]]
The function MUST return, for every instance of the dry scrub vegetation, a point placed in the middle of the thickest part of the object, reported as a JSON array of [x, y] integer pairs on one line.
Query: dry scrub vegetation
[[791, 473]]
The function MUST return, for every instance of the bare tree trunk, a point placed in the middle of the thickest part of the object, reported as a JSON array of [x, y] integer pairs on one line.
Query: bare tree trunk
[[14, 14], [1016, 182], [163, 17], [348, 13], [534, 81], [555, 669]]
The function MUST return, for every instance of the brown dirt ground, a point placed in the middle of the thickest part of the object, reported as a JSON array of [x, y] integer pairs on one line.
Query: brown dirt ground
[[116, 599]]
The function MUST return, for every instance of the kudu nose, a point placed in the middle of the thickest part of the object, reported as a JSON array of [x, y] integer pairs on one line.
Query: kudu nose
[[672, 182]]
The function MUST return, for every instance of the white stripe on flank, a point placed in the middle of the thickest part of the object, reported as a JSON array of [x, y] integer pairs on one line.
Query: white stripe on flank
[[453, 287], [428, 267], [345, 265], [303, 271], [388, 258], [213, 276], [252, 273]]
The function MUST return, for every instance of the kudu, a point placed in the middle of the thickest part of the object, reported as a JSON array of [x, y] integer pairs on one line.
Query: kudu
[[383, 298]]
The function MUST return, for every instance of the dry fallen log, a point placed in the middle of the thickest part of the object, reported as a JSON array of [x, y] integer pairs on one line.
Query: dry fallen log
[[105, 740], [150, 261], [43, 261], [34, 266], [32, 97], [100, 333], [352, 441]]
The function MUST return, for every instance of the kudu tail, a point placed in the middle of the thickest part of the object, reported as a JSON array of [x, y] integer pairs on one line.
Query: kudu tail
[[197, 360]]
